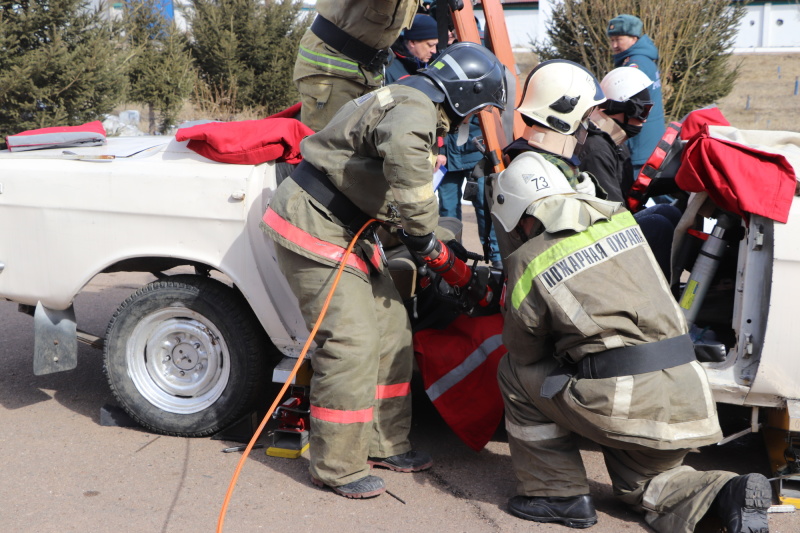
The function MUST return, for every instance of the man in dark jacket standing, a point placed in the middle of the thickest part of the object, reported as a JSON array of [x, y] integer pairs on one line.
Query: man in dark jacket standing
[[413, 49], [633, 49]]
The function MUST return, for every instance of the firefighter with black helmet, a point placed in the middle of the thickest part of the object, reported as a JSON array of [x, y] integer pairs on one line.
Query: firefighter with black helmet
[[375, 159]]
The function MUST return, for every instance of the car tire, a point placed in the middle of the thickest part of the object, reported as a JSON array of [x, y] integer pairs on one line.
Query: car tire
[[185, 356]]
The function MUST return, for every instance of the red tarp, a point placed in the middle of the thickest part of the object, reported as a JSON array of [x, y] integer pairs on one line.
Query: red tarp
[[459, 370], [738, 178], [249, 142]]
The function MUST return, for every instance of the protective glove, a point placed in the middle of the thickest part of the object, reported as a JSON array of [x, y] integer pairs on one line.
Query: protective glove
[[420, 244], [459, 251], [586, 184]]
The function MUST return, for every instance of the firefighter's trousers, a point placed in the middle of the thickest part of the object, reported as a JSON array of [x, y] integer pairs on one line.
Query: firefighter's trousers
[[543, 439], [360, 389]]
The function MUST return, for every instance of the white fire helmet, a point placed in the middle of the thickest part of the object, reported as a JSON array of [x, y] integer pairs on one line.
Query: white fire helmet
[[622, 83], [559, 95], [528, 178]]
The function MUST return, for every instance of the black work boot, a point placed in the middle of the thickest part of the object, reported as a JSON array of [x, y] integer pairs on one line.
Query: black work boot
[[743, 502], [572, 511], [366, 487], [412, 461]]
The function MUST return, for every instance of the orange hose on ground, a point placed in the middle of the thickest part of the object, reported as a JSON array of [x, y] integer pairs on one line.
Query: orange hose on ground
[[235, 478]]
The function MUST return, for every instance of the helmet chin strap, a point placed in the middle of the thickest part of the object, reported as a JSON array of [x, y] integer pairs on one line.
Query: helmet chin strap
[[551, 141], [608, 125]]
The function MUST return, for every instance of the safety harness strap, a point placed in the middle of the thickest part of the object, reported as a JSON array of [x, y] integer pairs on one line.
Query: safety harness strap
[[638, 359], [625, 361], [371, 58], [316, 183]]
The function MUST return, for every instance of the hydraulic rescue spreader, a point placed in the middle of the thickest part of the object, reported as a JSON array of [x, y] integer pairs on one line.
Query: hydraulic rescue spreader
[[473, 284]]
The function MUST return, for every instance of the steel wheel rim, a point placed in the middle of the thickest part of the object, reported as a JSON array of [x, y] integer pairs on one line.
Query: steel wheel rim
[[176, 358]]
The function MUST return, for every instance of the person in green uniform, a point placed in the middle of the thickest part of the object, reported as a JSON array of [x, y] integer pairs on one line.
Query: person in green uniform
[[343, 54], [598, 347], [374, 160]]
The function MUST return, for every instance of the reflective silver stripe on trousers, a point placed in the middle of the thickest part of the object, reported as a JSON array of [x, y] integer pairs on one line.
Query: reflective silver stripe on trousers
[[652, 495], [535, 433], [472, 362]]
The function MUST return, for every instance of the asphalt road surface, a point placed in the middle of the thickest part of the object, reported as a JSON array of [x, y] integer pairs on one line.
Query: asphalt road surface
[[62, 471]]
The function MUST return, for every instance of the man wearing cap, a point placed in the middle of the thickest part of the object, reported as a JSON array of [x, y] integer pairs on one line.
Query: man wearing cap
[[633, 49], [413, 49], [598, 347], [343, 53]]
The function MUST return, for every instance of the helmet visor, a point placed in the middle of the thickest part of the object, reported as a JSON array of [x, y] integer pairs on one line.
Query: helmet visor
[[630, 108]]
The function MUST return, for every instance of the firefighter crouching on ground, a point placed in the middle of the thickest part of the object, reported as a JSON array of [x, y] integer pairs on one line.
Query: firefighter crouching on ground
[[598, 347], [343, 54], [375, 159]]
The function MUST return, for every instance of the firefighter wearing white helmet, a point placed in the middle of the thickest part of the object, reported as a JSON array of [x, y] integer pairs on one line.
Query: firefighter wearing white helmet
[[556, 101], [605, 154], [607, 158], [598, 348]]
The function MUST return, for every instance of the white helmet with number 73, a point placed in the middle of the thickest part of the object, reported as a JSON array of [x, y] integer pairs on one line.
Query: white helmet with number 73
[[528, 178]]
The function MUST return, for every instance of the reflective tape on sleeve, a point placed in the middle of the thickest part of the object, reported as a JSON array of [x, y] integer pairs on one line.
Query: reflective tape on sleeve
[[414, 195]]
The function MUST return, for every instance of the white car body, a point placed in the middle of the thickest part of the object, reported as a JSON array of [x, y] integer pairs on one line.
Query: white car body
[[69, 215]]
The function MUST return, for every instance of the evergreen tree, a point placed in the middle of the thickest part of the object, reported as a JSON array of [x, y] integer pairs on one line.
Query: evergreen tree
[[245, 50], [160, 71], [58, 64], [694, 40]]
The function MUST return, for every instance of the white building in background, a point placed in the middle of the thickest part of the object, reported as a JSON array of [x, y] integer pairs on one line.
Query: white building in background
[[770, 25], [766, 25]]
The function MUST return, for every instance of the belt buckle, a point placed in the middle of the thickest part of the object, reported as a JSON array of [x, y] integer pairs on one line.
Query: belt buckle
[[380, 59]]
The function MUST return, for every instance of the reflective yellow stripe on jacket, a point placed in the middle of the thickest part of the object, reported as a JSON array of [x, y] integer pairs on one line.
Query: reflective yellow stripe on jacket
[[326, 61], [563, 249]]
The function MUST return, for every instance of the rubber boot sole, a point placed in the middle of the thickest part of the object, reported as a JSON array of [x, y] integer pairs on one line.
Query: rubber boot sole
[[575, 523], [351, 495], [396, 468], [757, 499]]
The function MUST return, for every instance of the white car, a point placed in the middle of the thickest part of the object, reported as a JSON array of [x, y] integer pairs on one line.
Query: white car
[[185, 355]]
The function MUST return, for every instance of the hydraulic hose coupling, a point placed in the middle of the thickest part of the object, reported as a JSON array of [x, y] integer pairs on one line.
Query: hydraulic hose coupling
[[438, 257], [444, 262]]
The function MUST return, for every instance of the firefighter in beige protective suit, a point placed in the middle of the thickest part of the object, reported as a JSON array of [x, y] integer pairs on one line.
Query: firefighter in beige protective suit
[[343, 54], [599, 348], [375, 159]]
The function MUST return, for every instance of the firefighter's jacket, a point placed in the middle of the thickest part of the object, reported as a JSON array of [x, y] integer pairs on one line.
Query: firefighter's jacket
[[571, 294], [376, 23], [378, 150]]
